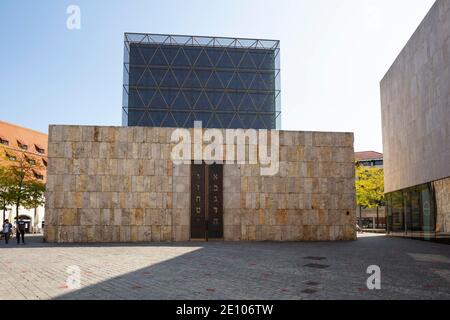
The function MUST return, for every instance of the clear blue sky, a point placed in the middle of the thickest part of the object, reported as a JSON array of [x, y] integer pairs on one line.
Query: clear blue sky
[[333, 55]]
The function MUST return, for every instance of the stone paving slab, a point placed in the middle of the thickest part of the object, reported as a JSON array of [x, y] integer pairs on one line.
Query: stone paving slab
[[226, 270]]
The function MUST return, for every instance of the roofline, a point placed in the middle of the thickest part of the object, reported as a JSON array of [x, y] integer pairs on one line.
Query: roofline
[[368, 151], [25, 128], [194, 36], [410, 39]]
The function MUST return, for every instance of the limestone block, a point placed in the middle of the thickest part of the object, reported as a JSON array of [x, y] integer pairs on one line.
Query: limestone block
[[312, 154], [276, 233], [294, 218], [182, 170], [92, 235], [181, 184], [312, 169], [107, 217], [122, 134], [166, 233], [52, 216], [346, 170], [55, 134], [58, 166], [125, 233], [156, 233], [310, 233], [311, 217], [117, 221], [106, 134], [71, 133], [95, 150], [106, 233], [281, 217], [236, 236], [181, 200], [347, 201], [49, 233], [62, 235], [133, 233], [230, 183], [76, 234], [87, 133], [81, 150], [144, 233], [322, 139], [349, 232], [69, 217], [323, 233]]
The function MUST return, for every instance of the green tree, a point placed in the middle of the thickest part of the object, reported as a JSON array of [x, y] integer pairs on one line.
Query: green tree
[[25, 189], [5, 190], [34, 194], [369, 187]]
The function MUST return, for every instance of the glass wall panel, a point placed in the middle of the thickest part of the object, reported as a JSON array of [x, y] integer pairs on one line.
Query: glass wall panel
[[208, 76], [412, 212], [416, 216], [407, 210], [397, 212], [428, 220]]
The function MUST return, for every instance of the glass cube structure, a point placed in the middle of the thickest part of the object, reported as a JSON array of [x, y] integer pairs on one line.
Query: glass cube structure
[[172, 81]]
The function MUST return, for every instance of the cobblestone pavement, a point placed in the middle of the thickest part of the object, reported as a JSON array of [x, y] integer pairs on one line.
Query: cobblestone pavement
[[221, 270]]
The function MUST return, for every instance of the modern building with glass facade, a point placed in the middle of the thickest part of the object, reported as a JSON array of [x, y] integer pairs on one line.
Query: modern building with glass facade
[[172, 81], [415, 101]]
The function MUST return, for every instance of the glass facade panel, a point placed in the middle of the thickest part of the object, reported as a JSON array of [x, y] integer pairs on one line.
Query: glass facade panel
[[224, 82], [412, 212]]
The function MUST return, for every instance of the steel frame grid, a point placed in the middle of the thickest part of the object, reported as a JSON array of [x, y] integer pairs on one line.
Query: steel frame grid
[[184, 42]]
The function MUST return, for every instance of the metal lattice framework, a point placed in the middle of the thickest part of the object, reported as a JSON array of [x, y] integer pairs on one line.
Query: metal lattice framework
[[172, 81]]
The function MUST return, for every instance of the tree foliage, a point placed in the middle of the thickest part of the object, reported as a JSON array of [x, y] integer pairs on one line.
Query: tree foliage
[[19, 185], [369, 187], [6, 198]]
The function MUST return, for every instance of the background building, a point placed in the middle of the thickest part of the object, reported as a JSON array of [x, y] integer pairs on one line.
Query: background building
[[370, 218], [369, 159], [415, 103], [172, 81], [18, 142]]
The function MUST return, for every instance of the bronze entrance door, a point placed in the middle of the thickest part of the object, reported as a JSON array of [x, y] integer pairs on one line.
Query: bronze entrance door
[[206, 201]]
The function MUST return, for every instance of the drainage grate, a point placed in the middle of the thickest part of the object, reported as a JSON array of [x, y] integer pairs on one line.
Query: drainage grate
[[309, 291], [316, 258], [316, 265]]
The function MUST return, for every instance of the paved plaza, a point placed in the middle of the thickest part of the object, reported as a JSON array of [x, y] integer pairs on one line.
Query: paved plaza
[[226, 270]]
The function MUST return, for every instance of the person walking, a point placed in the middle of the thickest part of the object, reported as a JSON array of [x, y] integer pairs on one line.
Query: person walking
[[6, 230], [20, 230]]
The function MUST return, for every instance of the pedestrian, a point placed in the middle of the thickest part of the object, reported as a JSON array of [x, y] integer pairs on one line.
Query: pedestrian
[[6, 230], [359, 229], [20, 230]]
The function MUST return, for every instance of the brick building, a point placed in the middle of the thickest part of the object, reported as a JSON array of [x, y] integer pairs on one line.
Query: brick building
[[18, 143]]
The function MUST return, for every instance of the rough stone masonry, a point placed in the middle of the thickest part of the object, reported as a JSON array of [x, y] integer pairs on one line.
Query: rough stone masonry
[[118, 184]]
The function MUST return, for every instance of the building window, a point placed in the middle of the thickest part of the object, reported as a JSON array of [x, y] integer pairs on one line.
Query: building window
[[38, 175], [31, 161], [4, 142], [378, 162], [22, 145], [11, 157], [39, 149]]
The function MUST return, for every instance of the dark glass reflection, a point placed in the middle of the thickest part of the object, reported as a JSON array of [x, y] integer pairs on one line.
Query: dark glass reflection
[[412, 212], [175, 85]]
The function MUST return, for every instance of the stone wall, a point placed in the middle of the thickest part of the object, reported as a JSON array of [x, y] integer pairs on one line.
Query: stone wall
[[118, 184], [415, 106], [442, 192]]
